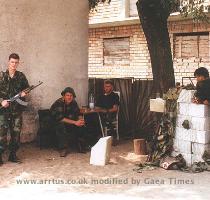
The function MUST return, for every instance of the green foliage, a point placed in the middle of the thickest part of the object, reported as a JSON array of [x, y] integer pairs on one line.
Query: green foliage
[[173, 5], [190, 8], [94, 3], [195, 10]]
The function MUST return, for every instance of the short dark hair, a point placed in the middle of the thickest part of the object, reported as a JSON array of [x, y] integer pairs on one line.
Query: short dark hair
[[14, 56], [108, 81], [202, 71]]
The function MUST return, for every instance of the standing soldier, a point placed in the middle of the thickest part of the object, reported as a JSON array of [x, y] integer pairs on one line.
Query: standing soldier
[[12, 82]]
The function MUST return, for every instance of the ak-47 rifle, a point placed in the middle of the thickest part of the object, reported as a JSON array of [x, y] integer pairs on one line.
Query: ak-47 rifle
[[17, 96]]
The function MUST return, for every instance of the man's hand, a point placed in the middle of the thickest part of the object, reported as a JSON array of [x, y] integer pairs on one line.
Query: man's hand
[[23, 94], [79, 122], [5, 103], [206, 102], [197, 101], [104, 110]]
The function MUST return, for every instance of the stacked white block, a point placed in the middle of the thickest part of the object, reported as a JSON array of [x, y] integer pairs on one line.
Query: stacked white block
[[196, 123], [192, 142], [186, 96]]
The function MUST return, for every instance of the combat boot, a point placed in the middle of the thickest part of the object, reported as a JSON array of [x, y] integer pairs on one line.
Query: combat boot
[[1, 160], [13, 158], [63, 152]]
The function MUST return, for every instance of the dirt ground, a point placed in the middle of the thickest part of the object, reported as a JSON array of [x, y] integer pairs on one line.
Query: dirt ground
[[43, 174]]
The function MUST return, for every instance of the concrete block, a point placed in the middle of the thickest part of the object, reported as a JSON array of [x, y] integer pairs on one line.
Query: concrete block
[[200, 123], [180, 119], [198, 149], [202, 137], [196, 123], [186, 96], [182, 146], [189, 158], [189, 147], [199, 110], [183, 108], [157, 105], [183, 134], [100, 152]]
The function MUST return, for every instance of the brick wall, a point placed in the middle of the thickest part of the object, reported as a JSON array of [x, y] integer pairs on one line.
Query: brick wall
[[193, 50], [106, 12], [140, 66]]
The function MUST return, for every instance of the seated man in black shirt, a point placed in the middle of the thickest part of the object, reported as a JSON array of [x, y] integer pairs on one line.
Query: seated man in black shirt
[[202, 94], [68, 125], [109, 103]]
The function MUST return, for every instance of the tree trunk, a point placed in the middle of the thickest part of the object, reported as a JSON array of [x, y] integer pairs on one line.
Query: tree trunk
[[153, 16]]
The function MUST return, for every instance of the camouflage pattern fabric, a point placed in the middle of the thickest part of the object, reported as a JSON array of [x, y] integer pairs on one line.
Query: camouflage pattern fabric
[[162, 144], [64, 132], [9, 87], [13, 123], [11, 117], [60, 110]]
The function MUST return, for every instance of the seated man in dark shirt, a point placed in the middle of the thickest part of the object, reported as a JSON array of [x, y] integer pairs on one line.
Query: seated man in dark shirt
[[202, 94], [109, 103], [68, 124]]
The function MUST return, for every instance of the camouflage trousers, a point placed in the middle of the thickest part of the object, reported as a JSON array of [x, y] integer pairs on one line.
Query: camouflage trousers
[[10, 123]]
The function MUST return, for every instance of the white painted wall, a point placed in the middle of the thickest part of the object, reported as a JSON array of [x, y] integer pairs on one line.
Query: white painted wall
[[51, 37]]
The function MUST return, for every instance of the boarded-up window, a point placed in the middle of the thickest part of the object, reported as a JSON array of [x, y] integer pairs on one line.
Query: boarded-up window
[[116, 52], [133, 8], [191, 45]]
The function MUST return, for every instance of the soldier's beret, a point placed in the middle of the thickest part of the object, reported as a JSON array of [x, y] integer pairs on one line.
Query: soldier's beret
[[70, 90]]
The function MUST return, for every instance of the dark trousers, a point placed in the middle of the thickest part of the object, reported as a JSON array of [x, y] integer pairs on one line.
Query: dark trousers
[[70, 135], [93, 127]]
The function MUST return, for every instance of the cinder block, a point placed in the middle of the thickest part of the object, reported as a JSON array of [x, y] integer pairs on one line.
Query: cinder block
[[186, 96], [183, 108], [189, 158], [190, 147], [199, 110], [180, 119], [197, 158], [183, 134], [198, 149], [182, 146], [157, 105], [200, 123], [196, 123], [201, 137], [100, 152]]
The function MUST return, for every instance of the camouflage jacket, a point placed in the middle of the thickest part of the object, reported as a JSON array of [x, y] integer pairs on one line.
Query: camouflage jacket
[[9, 87], [60, 110]]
